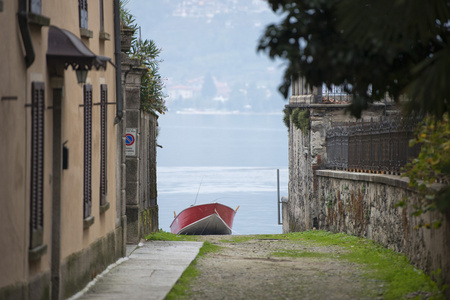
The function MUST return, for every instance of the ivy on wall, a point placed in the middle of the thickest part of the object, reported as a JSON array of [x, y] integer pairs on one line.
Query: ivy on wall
[[286, 117], [299, 117]]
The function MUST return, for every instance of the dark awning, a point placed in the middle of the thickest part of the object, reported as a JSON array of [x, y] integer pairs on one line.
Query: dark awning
[[66, 49]]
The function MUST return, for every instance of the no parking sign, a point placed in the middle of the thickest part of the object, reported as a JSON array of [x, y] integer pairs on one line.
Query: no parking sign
[[130, 142]]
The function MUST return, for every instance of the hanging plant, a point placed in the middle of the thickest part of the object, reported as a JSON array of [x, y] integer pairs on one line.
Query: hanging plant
[[146, 51], [300, 118], [287, 117]]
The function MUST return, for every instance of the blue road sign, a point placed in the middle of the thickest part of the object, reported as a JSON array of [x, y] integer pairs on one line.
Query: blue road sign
[[129, 139]]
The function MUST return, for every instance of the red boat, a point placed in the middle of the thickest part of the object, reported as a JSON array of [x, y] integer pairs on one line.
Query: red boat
[[212, 218]]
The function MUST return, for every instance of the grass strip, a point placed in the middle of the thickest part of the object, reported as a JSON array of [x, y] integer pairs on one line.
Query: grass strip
[[301, 254], [167, 236], [402, 279], [182, 286]]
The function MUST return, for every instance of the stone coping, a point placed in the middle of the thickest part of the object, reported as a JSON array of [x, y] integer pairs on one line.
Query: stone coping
[[392, 180], [316, 105]]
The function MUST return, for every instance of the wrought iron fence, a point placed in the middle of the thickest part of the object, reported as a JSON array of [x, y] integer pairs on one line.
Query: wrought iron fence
[[380, 146]]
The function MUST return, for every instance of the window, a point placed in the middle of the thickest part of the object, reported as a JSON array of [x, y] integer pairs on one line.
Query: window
[[102, 17], [37, 165], [35, 6], [103, 35], [35, 13], [103, 144], [83, 10], [83, 15], [87, 194]]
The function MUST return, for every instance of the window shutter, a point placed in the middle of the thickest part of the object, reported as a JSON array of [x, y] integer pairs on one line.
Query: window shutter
[[37, 164], [83, 11], [35, 6], [87, 181], [103, 142]]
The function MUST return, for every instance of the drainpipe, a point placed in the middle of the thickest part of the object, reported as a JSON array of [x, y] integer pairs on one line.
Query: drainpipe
[[25, 32], [55, 271], [117, 53]]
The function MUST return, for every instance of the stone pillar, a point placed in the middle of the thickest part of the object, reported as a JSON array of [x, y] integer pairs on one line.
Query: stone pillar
[[121, 218], [299, 179], [303, 94], [147, 176], [285, 214], [131, 78], [126, 34]]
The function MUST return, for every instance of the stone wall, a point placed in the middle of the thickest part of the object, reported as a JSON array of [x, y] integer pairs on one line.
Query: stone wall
[[365, 205], [355, 203], [37, 288], [148, 129], [300, 177], [78, 269], [307, 153], [140, 167], [148, 186], [142, 208]]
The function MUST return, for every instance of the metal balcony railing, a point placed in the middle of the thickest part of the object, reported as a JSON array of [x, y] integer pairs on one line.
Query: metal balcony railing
[[380, 146]]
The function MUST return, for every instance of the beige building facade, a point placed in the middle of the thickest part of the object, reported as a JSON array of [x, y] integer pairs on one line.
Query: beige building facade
[[61, 217]]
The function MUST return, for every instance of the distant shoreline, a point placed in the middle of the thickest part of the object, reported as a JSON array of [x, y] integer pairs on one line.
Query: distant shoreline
[[221, 112]]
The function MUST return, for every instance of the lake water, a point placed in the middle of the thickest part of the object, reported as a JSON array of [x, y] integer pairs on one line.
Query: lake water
[[227, 158]]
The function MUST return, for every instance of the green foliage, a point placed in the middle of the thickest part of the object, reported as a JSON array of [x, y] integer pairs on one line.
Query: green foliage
[[302, 121], [126, 18], [431, 166], [371, 48], [152, 85]]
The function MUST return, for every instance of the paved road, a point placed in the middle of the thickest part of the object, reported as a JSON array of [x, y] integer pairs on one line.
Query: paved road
[[149, 272]]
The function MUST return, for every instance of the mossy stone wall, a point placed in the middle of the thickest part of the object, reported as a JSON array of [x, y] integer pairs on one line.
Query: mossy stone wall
[[78, 269], [366, 205]]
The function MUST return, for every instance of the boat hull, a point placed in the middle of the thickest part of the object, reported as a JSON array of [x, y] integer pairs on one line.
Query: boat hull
[[204, 219]]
